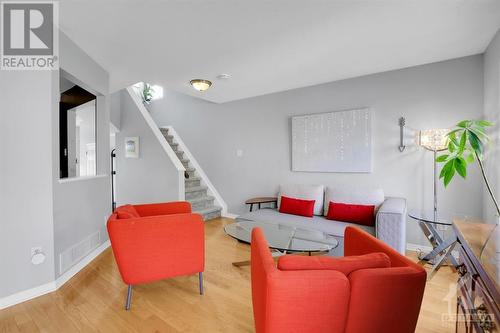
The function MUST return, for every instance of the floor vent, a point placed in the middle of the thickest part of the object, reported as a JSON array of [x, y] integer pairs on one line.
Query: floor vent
[[77, 252]]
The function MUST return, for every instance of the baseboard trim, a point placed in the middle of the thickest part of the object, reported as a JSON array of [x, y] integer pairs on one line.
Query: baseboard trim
[[417, 247], [26, 295], [46, 288], [230, 215], [426, 248]]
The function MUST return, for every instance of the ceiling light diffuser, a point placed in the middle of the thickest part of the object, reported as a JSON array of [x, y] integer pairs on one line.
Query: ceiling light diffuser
[[200, 84]]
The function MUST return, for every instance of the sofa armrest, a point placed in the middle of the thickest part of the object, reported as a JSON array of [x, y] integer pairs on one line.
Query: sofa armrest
[[166, 208], [391, 223], [303, 301], [152, 248]]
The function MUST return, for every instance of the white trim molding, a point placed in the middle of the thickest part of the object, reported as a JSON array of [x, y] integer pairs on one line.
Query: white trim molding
[[211, 188], [83, 178], [38, 291], [230, 215], [166, 147], [26, 295], [417, 247], [425, 249]]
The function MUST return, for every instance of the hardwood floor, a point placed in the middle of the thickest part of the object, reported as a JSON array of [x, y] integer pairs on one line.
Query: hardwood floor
[[93, 300]]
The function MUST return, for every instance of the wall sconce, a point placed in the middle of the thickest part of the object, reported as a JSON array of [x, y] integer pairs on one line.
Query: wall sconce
[[402, 122]]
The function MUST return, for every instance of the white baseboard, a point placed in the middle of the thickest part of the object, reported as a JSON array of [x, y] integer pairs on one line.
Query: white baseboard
[[425, 248], [38, 291], [418, 247], [26, 295], [230, 215]]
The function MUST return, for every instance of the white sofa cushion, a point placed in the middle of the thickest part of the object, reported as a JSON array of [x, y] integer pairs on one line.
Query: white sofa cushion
[[307, 192], [360, 197]]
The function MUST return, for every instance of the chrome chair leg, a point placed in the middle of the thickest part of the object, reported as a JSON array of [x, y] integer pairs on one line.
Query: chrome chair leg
[[129, 298], [200, 278]]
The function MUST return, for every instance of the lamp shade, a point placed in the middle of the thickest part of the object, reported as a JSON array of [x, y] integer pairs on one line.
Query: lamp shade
[[433, 139]]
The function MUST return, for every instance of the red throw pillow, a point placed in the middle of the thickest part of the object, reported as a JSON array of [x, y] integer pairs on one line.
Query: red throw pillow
[[359, 214], [297, 206], [126, 212]]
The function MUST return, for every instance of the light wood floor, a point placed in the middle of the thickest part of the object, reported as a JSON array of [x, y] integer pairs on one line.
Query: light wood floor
[[92, 301]]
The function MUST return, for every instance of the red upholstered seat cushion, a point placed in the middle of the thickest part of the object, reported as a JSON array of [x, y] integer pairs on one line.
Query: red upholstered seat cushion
[[297, 206], [345, 265], [359, 214], [126, 212]]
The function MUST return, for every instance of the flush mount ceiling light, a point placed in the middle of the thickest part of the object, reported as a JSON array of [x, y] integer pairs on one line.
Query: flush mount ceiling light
[[200, 84]]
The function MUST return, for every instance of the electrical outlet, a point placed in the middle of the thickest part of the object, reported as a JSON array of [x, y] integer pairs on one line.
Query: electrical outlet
[[35, 250], [239, 152], [37, 255]]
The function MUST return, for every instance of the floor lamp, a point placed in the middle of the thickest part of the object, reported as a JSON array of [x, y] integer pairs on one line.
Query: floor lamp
[[434, 140]]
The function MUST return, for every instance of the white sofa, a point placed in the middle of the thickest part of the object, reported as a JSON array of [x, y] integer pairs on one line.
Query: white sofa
[[390, 219]]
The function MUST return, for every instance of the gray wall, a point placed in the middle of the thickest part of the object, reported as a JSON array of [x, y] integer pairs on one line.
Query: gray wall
[[26, 104], [492, 112], [37, 209], [430, 96], [150, 178], [81, 205]]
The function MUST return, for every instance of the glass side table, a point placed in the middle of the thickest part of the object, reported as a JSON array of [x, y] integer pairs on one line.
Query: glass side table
[[441, 247]]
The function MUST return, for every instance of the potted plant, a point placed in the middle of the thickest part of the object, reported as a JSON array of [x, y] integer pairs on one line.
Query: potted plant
[[466, 144], [147, 93]]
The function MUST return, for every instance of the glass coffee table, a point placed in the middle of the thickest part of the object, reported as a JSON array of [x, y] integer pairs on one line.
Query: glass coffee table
[[282, 239]]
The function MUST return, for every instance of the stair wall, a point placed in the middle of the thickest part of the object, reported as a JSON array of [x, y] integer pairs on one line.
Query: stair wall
[[199, 191]]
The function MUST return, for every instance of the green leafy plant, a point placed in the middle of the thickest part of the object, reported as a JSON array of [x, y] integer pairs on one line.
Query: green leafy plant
[[466, 144], [147, 93]]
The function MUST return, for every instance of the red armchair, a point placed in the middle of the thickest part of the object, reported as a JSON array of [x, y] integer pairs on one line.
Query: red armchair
[[372, 289], [157, 241]]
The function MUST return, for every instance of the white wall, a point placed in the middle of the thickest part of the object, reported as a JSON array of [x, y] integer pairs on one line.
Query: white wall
[[492, 112], [81, 205], [430, 96], [27, 100], [150, 178]]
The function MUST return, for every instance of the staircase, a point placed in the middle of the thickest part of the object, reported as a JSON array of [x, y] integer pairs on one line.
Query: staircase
[[196, 193]]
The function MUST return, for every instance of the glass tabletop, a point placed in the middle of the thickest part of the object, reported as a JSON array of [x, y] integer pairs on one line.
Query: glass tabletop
[[284, 237], [429, 217]]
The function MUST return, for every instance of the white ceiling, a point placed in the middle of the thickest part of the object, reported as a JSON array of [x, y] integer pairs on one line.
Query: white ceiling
[[270, 46]]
